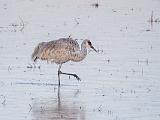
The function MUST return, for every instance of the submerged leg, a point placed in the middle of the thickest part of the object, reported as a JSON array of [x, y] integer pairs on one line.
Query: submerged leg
[[59, 72]]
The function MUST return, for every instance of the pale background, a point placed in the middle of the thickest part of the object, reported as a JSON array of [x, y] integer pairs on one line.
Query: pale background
[[121, 82]]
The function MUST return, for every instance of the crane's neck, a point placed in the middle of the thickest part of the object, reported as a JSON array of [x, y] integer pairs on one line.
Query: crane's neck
[[79, 55]]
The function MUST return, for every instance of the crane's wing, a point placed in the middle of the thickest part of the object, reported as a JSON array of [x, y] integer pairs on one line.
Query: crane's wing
[[66, 43], [56, 51]]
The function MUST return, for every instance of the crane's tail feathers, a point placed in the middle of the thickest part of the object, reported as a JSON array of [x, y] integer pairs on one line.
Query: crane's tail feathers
[[36, 52]]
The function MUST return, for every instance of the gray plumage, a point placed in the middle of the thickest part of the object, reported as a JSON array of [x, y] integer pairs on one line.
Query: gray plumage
[[61, 51]]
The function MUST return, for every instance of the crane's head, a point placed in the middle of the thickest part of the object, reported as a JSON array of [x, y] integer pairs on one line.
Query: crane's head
[[89, 45]]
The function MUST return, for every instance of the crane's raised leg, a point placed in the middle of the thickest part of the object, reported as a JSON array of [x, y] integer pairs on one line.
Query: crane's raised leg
[[59, 72]]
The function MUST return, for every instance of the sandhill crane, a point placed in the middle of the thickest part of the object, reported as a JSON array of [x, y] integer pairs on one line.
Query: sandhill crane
[[61, 51]]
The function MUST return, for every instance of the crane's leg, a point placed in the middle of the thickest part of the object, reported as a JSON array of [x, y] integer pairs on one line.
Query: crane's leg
[[59, 72]]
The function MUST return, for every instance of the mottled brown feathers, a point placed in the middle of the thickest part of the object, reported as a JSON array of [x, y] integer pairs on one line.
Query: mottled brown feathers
[[57, 51]]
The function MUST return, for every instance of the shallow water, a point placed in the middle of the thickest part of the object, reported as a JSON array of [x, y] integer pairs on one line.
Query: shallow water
[[121, 82]]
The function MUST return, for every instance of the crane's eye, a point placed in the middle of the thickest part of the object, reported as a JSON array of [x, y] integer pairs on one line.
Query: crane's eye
[[89, 43]]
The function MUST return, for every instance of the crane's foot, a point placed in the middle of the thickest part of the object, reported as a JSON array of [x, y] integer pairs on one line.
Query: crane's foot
[[74, 75]]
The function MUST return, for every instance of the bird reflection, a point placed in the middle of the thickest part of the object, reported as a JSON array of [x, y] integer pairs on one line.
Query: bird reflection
[[58, 108]]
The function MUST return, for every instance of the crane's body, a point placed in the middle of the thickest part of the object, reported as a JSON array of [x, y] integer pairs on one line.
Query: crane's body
[[61, 51]]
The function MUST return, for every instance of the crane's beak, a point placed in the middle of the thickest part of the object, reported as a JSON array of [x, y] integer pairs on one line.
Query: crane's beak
[[94, 49]]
